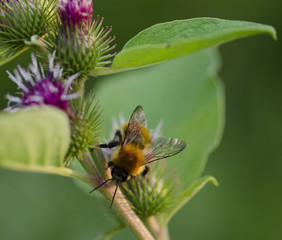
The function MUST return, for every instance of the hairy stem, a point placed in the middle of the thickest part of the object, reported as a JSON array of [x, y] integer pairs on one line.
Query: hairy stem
[[120, 205], [126, 214]]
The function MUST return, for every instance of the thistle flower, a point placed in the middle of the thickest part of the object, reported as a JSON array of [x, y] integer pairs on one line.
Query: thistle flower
[[76, 12], [24, 23], [38, 89], [82, 45]]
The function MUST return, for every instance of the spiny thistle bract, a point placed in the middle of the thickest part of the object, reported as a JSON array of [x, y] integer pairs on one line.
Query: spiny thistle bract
[[86, 127], [38, 89], [81, 45], [150, 195], [24, 23]]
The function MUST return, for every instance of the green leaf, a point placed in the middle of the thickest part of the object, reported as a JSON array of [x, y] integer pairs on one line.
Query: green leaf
[[35, 140], [170, 40], [186, 196], [186, 93]]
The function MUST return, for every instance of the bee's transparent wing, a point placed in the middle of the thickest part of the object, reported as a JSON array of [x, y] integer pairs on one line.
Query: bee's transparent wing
[[138, 116], [163, 147], [136, 122]]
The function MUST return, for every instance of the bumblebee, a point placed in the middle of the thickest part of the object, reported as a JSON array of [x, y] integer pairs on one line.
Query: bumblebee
[[134, 149]]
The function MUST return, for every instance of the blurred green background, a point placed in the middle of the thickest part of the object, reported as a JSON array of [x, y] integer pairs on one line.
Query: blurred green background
[[247, 164]]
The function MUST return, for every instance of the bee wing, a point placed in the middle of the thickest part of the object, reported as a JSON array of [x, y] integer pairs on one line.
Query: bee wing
[[138, 116], [163, 147], [136, 122]]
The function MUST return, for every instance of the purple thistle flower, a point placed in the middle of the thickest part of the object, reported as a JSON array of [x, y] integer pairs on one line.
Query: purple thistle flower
[[37, 89], [76, 12]]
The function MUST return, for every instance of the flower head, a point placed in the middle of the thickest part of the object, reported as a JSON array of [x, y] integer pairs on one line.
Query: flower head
[[38, 89], [76, 12], [81, 43], [84, 50]]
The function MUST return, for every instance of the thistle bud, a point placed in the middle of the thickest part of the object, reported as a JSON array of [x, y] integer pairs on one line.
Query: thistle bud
[[150, 195], [24, 23], [82, 45], [86, 127], [76, 13]]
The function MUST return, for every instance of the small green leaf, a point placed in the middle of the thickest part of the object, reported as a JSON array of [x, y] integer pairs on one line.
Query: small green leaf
[[35, 140], [190, 192], [169, 40]]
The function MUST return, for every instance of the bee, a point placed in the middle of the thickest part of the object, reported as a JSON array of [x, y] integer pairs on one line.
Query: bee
[[134, 150]]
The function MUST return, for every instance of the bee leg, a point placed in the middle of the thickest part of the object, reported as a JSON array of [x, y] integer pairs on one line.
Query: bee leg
[[146, 170], [110, 163], [110, 144], [115, 142]]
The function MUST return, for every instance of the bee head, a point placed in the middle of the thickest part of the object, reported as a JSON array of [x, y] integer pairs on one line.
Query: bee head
[[119, 174]]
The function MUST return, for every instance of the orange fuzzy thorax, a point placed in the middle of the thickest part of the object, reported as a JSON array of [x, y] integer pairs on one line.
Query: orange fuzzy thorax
[[130, 159]]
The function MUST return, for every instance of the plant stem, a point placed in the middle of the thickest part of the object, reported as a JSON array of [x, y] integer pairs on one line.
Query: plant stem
[[160, 233], [126, 214], [100, 161], [87, 164], [78, 87], [121, 206]]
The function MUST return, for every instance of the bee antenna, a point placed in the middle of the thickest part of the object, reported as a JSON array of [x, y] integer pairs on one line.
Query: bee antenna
[[100, 185], [114, 194]]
